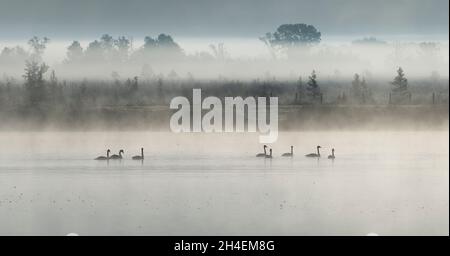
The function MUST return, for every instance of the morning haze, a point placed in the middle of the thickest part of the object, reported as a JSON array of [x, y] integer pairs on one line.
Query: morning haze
[[233, 18], [356, 92]]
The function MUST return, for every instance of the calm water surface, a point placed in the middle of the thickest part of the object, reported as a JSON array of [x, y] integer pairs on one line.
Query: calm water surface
[[389, 183]]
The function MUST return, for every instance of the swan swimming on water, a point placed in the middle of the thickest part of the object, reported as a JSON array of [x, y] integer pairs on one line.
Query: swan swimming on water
[[270, 155], [262, 154], [141, 157], [314, 154], [117, 156], [104, 157], [289, 154], [332, 154]]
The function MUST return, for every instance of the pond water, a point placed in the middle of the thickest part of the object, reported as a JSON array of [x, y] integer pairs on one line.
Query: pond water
[[388, 183]]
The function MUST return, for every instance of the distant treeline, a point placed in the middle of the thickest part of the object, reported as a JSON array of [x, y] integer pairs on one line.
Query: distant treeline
[[143, 103], [160, 48], [43, 95], [292, 47]]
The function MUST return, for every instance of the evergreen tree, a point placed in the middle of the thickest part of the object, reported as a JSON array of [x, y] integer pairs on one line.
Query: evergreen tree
[[400, 83], [400, 93], [313, 86]]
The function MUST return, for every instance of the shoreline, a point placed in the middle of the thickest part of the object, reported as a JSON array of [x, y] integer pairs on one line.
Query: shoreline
[[291, 118]]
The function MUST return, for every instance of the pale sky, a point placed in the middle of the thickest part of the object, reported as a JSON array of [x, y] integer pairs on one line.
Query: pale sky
[[212, 18]]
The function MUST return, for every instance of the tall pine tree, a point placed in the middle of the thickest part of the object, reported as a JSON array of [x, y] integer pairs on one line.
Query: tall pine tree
[[400, 83], [313, 86]]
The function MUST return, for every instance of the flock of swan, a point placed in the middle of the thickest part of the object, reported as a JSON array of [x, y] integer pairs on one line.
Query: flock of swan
[[291, 154], [265, 155], [119, 156]]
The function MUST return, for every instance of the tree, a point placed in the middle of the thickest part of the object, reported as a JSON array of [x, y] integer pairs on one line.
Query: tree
[[356, 87], [300, 95], [150, 43], [109, 49], [107, 42], [369, 41], [400, 93], [53, 78], [94, 51], [160, 90], [134, 84], [313, 86], [13, 56], [366, 92], [38, 46], [162, 41], [166, 41], [162, 47], [74, 52], [34, 81], [54, 89], [429, 49], [400, 83], [360, 91], [219, 51], [123, 45], [292, 35]]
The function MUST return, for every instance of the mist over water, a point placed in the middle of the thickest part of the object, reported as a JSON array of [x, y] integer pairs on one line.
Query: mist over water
[[389, 183], [367, 79], [247, 58]]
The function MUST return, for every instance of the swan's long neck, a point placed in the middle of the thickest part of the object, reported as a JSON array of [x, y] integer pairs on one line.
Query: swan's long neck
[[292, 150], [107, 154], [318, 152], [332, 153], [265, 152], [120, 153], [142, 152]]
